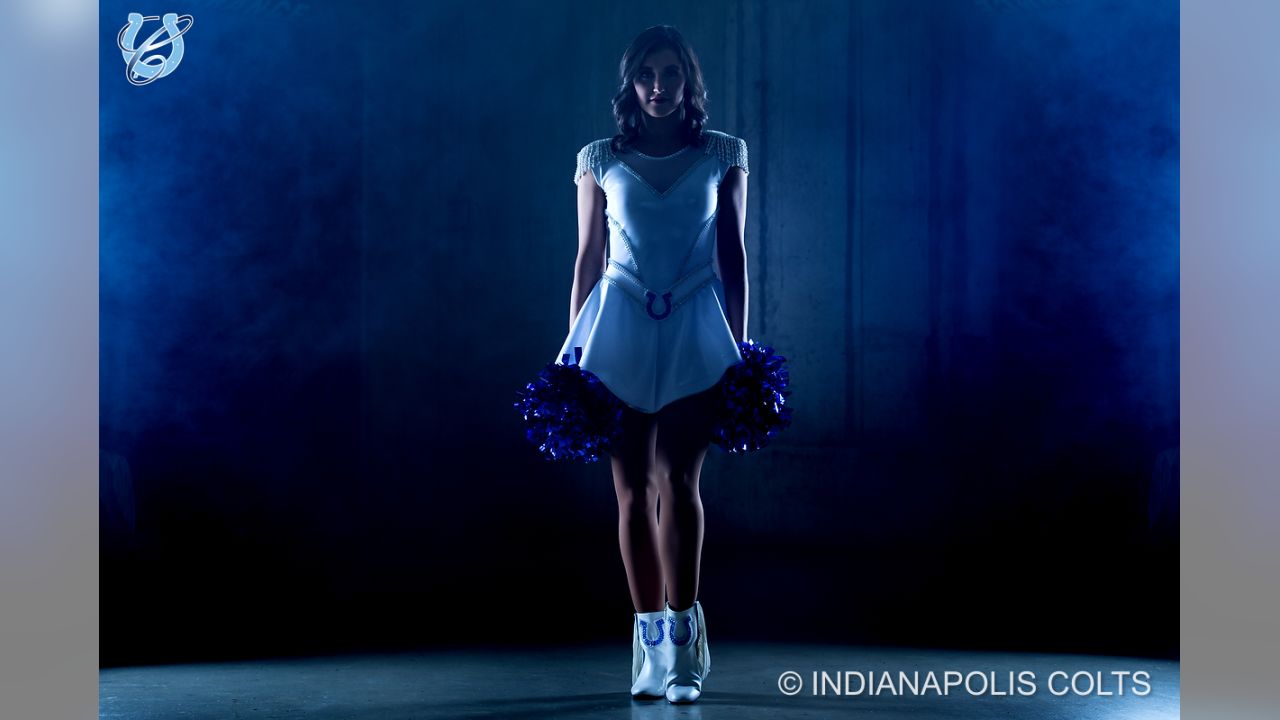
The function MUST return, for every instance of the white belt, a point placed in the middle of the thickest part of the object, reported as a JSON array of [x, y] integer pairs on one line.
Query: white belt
[[622, 278]]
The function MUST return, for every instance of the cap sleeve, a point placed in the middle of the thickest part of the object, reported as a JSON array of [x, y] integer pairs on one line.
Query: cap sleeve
[[732, 151], [590, 158], [740, 155]]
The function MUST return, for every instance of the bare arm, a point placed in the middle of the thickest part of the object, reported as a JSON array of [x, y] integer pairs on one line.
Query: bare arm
[[731, 250], [589, 266]]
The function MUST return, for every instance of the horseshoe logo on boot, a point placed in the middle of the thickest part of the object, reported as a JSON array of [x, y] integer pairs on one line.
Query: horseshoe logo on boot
[[666, 301], [644, 633], [688, 621]]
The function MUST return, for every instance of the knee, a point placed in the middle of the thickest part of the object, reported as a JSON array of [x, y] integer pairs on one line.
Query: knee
[[681, 487], [637, 500]]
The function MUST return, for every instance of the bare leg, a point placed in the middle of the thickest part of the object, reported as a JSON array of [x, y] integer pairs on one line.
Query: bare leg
[[632, 463], [683, 435]]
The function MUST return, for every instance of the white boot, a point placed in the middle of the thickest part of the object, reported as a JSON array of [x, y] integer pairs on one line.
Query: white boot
[[691, 659], [650, 654]]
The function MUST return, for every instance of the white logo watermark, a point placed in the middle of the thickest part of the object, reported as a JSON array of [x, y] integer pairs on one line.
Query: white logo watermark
[[141, 68]]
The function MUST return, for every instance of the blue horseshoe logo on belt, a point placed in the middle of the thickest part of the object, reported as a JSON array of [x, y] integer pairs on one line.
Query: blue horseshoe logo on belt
[[666, 300]]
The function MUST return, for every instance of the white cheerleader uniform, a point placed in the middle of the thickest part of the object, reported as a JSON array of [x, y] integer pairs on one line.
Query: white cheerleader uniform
[[654, 328]]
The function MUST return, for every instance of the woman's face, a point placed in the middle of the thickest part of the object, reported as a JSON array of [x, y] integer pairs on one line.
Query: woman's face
[[660, 83]]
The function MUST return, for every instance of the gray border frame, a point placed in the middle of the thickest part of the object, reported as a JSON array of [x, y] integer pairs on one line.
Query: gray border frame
[[1230, 414], [49, 359]]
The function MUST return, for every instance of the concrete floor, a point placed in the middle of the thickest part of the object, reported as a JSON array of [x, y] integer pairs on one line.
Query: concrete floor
[[592, 682]]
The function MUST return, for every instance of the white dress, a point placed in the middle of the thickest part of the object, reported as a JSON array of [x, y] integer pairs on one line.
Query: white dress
[[654, 328]]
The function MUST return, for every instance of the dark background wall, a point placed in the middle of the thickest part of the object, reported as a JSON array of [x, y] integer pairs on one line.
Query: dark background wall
[[336, 241]]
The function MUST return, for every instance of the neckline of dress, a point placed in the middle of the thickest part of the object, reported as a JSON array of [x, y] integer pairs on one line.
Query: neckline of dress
[[661, 157]]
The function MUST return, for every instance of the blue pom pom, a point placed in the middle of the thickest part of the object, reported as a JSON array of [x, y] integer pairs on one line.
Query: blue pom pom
[[753, 400], [569, 413]]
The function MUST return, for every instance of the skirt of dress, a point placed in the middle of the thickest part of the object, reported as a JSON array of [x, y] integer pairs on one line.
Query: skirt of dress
[[649, 363]]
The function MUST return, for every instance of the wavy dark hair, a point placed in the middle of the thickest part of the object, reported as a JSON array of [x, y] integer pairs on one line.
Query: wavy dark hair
[[693, 106]]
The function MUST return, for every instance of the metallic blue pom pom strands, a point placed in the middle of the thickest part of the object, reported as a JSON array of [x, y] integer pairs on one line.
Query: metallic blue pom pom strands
[[569, 413], [753, 400]]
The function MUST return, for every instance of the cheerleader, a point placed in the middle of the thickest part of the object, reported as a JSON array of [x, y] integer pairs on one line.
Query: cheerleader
[[656, 364], [660, 204]]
